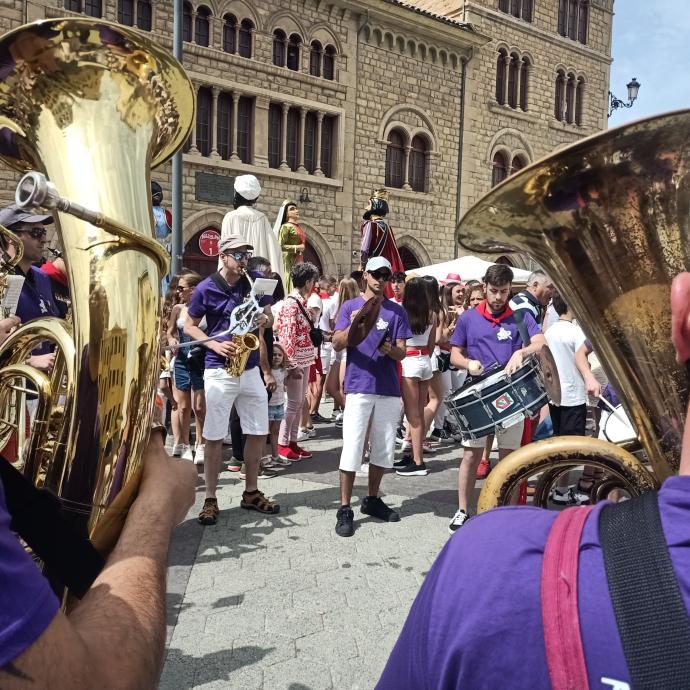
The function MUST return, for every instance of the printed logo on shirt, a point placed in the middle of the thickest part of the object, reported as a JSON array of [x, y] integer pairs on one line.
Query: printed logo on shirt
[[381, 325], [504, 334], [503, 402], [42, 306], [615, 684]]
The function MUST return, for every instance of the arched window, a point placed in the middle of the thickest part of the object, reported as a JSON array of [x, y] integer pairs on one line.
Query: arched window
[[293, 47], [526, 13], [279, 47], [245, 39], [563, 17], [518, 164], [204, 100], [245, 127], [395, 160], [187, 13], [328, 139], [501, 76], [417, 164], [328, 71], [409, 259], [144, 15], [315, 55], [572, 18], [504, 5], [522, 9], [125, 12], [225, 125], [579, 96], [559, 105], [202, 26], [524, 76], [582, 20], [513, 75], [93, 8], [310, 142], [515, 7], [230, 33], [570, 99], [275, 135], [499, 170]]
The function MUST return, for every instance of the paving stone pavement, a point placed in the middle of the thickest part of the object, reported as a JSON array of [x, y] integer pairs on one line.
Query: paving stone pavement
[[283, 602]]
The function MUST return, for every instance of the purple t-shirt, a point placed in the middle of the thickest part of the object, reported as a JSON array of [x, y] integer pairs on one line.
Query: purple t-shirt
[[216, 305], [27, 604], [491, 345], [476, 622], [367, 370]]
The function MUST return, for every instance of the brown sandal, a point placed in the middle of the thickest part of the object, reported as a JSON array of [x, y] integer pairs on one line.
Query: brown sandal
[[257, 501]]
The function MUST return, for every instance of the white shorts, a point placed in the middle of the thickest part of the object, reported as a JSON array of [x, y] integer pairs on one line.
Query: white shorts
[[327, 355], [247, 393], [417, 367], [384, 413], [507, 439]]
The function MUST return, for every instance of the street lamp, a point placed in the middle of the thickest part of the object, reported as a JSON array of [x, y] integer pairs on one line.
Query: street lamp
[[615, 103]]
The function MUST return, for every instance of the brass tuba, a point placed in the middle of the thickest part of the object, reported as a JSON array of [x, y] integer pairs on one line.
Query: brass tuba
[[609, 219], [92, 106]]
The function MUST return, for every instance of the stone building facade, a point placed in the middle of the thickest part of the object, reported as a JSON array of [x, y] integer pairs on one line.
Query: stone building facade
[[328, 99]]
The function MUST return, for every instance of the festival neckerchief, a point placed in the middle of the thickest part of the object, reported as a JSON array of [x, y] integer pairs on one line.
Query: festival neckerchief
[[483, 309]]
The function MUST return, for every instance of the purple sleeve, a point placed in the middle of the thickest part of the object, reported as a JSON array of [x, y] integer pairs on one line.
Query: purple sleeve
[[266, 301], [196, 307], [343, 320], [459, 337], [588, 346], [532, 326], [27, 604]]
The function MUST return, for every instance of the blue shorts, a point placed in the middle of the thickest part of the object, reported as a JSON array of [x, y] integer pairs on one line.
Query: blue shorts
[[184, 378], [276, 413]]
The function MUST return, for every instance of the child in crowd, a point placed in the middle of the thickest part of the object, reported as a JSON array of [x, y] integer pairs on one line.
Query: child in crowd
[[276, 407]]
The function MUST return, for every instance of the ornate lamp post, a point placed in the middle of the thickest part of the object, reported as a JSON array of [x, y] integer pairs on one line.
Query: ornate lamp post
[[615, 103]]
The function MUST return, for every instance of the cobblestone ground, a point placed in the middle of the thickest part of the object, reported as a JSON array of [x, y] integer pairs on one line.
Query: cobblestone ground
[[283, 602]]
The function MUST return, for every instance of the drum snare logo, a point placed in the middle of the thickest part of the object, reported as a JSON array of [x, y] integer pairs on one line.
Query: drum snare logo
[[503, 402]]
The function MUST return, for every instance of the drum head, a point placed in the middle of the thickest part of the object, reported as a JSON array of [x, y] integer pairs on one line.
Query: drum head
[[618, 428], [549, 375]]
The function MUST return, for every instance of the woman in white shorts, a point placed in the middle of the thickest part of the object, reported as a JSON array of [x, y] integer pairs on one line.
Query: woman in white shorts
[[417, 371]]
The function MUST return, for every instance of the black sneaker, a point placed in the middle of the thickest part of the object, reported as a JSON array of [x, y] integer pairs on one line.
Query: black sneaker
[[345, 524], [404, 461], [459, 519], [413, 470], [374, 506], [440, 435], [318, 419]]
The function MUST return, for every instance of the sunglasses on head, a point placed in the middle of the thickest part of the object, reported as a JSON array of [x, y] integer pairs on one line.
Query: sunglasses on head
[[239, 256], [36, 233], [381, 274]]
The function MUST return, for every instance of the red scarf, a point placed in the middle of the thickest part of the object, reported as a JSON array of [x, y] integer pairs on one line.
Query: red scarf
[[483, 309]]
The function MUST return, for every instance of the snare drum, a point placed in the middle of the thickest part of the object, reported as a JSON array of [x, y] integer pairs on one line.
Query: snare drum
[[617, 428], [499, 400]]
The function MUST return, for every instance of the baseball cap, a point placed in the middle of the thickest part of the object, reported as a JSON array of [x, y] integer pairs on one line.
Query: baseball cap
[[233, 242], [13, 215], [377, 262]]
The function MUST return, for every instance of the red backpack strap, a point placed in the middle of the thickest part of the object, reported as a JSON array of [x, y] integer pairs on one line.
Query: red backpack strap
[[560, 618]]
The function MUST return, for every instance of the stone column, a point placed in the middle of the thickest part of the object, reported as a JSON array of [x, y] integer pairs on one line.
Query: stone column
[[233, 133], [506, 79], [260, 148], [518, 72], [319, 122], [214, 124], [300, 150], [283, 139], [406, 169], [192, 146]]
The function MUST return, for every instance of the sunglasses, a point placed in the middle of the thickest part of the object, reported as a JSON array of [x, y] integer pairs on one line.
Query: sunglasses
[[36, 233], [381, 274], [239, 256]]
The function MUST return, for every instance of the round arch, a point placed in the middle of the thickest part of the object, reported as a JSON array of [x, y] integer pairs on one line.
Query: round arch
[[242, 10], [322, 32], [393, 112], [322, 255], [288, 22], [502, 135], [194, 259], [208, 217], [414, 248]]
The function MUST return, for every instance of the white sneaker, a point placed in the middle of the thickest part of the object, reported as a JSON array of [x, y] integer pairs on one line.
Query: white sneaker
[[339, 416], [303, 435], [406, 445], [363, 471], [199, 455], [187, 453], [427, 447], [177, 450], [227, 441], [459, 519]]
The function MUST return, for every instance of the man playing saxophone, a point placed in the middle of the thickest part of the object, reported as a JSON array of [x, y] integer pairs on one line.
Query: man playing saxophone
[[215, 298]]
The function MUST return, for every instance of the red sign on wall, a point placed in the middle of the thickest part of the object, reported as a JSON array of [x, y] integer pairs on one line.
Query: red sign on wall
[[208, 242]]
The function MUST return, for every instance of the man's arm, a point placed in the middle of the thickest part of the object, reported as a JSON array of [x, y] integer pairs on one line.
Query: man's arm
[[115, 636], [591, 384], [191, 328], [515, 362]]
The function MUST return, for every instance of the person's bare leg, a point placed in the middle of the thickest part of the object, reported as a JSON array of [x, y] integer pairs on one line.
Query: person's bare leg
[[502, 453], [466, 476], [199, 405], [347, 482], [375, 476], [435, 395], [253, 447], [212, 460], [415, 421]]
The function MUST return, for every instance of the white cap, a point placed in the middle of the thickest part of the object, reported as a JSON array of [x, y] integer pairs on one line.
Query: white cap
[[377, 262], [247, 186]]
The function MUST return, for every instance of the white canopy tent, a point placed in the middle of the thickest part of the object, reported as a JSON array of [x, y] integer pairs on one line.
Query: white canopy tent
[[468, 268]]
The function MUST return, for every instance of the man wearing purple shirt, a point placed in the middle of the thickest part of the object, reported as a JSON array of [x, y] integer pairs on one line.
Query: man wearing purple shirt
[[372, 390], [489, 337], [215, 298], [477, 621]]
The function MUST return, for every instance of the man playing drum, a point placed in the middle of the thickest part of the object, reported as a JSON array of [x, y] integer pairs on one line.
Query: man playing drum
[[488, 337]]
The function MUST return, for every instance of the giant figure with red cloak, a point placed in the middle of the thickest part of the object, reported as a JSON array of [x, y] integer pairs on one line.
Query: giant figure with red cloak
[[377, 234]]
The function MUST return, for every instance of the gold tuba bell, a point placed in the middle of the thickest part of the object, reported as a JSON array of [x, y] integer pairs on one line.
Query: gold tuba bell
[[609, 219], [92, 106]]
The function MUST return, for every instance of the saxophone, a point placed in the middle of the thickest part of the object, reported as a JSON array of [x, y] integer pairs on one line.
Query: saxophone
[[243, 320]]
